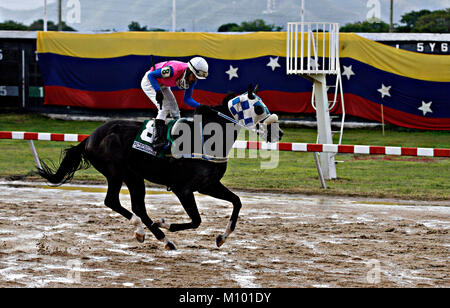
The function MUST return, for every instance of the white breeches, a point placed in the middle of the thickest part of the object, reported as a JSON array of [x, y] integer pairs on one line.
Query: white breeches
[[169, 104]]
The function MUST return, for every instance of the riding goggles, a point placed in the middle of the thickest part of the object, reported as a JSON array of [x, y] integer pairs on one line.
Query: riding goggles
[[198, 73]]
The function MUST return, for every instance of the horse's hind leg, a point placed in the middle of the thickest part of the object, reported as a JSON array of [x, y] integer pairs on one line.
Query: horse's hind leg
[[136, 186], [112, 198], [219, 191]]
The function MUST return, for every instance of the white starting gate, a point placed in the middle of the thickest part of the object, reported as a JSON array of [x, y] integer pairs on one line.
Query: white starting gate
[[312, 51]]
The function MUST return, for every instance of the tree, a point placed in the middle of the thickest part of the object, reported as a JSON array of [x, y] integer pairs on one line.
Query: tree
[[410, 19], [249, 26], [424, 21], [365, 26], [135, 26], [35, 26], [231, 27], [12, 25], [38, 25], [435, 22]]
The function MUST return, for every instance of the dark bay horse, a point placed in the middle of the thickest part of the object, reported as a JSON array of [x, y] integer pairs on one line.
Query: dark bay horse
[[109, 150]]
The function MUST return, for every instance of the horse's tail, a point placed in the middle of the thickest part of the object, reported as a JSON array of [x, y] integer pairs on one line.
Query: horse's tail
[[73, 159]]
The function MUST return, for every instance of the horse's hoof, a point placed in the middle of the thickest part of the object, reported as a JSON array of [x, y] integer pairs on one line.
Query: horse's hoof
[[140, 237], [170, 246], [220, 240]]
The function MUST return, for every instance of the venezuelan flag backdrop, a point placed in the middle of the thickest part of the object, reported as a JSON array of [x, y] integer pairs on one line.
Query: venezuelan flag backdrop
[[104, 71]]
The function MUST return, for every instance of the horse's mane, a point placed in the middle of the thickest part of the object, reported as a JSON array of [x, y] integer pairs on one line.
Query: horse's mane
[[223, 107]]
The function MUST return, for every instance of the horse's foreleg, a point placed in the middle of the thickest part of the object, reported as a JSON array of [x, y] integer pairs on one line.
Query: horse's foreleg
[[136, 186], [221, 192], [140, 232], [187, 200]]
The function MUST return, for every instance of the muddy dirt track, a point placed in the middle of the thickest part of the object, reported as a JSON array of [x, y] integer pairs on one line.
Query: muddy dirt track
[[66, 237]]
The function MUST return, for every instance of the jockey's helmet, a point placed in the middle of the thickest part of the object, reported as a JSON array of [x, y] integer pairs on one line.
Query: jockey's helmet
[[199, 67]]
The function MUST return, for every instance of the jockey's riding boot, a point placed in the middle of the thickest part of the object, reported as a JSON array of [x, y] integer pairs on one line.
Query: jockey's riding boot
[[159, 141]]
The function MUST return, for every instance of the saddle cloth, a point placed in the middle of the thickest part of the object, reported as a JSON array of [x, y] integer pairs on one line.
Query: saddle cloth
[[144, 139]]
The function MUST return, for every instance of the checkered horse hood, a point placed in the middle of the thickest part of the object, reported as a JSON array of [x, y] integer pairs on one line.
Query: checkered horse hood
[[245, 110]]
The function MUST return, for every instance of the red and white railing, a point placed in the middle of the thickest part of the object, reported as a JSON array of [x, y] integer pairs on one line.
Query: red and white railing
[[256, 145], [42, 136], [343, 149]]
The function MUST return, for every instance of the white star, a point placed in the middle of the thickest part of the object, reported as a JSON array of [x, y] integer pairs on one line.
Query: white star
[[347, 71], [313, 64], [384, 90], [273, 63], [232, 72], [426, 107]]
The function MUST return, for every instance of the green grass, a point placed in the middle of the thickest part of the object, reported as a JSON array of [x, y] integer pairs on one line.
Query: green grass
[[359, 175]]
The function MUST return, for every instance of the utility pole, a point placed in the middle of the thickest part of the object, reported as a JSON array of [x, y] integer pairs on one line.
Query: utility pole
[[303, 11], [174, 15], [391, 24], [45, 15], [59, 15]]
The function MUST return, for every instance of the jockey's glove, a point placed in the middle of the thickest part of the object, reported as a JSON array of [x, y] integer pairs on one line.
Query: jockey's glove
[[159, 98]]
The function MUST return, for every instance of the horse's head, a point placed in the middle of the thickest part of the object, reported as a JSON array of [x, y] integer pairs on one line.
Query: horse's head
[[250, 111]]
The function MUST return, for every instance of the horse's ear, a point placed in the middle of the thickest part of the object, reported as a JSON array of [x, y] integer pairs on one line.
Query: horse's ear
[[256, 88], [250, 92]]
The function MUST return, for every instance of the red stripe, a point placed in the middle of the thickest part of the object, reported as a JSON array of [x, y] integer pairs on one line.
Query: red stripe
[[346, 148], [82, 137], [253, 145], [314, 147], [57, 137], [377, 150], [123, 99], [136, 99], [129, 99], [409, 151], [442, 152], [5, 135], [358, 106], [284, 146], [30, 136], [277, 101]]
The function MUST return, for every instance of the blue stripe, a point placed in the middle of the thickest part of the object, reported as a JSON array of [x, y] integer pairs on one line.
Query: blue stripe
[[406, 94], [112, 74]]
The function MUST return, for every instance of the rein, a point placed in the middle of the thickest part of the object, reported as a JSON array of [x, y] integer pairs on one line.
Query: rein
[[234, 121]]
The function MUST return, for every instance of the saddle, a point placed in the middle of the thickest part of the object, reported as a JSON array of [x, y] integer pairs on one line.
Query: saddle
[[144, 139]]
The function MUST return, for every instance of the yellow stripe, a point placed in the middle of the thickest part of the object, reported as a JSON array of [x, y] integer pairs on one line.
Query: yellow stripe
[[397, 61], [237, 47], [168, 44]]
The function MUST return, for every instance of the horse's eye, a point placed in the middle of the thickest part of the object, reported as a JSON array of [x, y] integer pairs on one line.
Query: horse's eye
[[259, 110]]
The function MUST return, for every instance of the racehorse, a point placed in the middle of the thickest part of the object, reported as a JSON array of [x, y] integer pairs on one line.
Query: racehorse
[[109, 150]]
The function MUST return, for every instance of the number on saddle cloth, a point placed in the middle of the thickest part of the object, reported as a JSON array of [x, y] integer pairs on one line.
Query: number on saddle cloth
[[144, 139]]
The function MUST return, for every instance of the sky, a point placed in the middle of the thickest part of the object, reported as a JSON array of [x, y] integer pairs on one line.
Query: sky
[[205, 15]]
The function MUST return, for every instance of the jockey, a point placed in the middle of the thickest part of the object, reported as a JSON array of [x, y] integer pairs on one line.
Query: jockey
[[157, 82]]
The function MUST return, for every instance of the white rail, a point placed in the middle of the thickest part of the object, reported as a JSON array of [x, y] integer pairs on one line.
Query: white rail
[[320, 54]]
